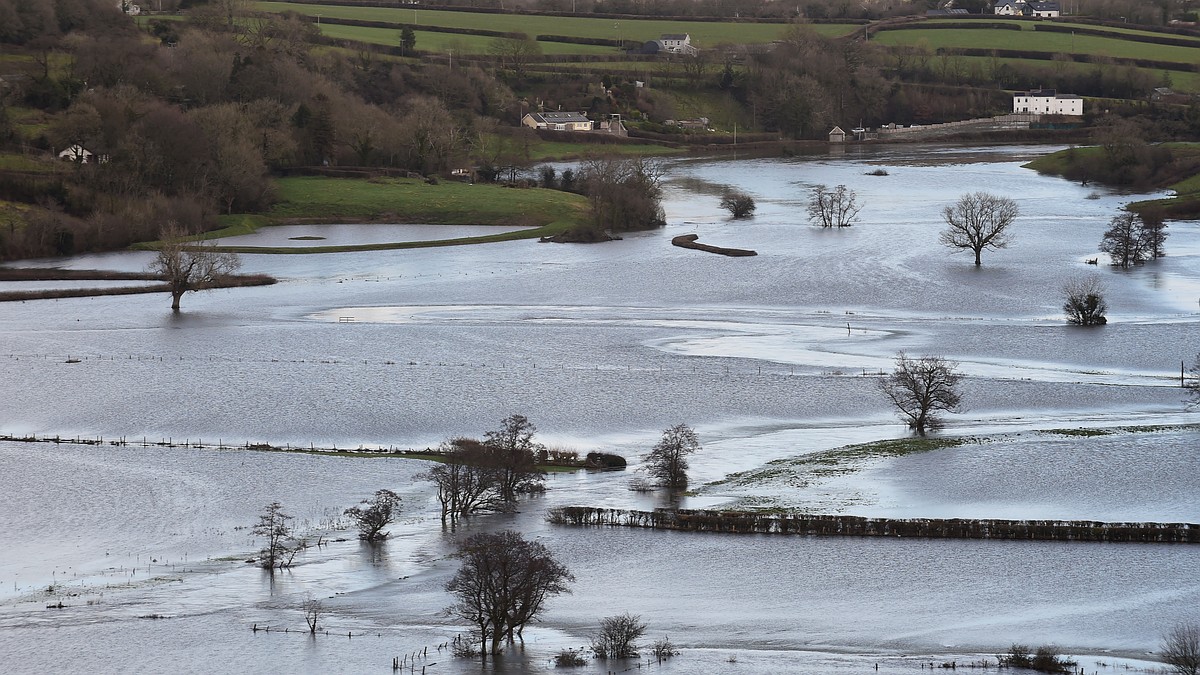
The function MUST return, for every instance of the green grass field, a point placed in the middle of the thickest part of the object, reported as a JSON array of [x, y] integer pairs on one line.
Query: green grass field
[[1029, 40], [430, 41], [1180, 81], [704, 34], [401, 200]]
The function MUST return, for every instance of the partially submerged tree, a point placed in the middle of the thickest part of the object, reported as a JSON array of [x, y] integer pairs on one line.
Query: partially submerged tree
[[464, 484], [618, 636], [921, 388], [510, 451], [190, 265], [1181, 649], [312, 614], [1085, 304], [372, 515], [978, 221], [503, 584], [280, 549], [833, 208], [624, 194], [739, 204], [1131, 240], [667, 461]]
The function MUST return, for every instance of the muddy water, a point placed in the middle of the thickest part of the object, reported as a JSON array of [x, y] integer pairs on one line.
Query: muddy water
[[603, 346]]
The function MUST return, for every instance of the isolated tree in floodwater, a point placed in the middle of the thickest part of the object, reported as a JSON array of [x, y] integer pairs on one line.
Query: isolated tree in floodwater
[[190, 265], [667, 461], [921, 388], [274, 525], [1193, 385], [371, 516], [978, 221], [1085, 305], [833, 208], [503, 584]]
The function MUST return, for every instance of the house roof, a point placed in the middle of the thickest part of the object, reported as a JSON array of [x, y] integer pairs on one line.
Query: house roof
[[1045, 6], [559, 117], [676, 36], [835, 131]]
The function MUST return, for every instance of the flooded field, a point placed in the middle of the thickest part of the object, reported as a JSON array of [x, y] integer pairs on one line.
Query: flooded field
[[768, 358]]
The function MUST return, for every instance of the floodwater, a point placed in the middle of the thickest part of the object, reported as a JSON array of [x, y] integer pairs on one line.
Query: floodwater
[[603, 346]]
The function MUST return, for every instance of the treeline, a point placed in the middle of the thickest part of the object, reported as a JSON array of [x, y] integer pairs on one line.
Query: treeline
[[746, 522], [193, 126]]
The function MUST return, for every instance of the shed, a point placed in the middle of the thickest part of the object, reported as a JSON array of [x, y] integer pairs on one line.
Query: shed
[[836, 135]]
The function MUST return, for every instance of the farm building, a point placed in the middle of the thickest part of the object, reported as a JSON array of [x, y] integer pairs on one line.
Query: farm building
[[1047, 102], [1045, 10]]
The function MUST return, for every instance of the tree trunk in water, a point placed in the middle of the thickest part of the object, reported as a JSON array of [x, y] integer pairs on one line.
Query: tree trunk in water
[[977, 261], [175, 296]]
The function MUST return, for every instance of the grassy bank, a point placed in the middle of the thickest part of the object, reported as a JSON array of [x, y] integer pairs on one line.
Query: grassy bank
[[314, 199], [1182, 175]]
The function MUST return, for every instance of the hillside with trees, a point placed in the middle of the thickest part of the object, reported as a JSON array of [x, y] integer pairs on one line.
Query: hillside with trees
[[186, 117]]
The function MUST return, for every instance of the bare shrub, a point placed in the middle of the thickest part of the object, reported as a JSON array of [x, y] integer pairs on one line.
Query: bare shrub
[[1181, 649], [618, 636], [739, 204], [665, 649], [1084, 304], [569, 658]]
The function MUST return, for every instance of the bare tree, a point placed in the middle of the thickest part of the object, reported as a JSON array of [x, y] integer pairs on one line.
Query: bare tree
[[623, 194], [503, 584], [1085, 305], [280, 549], [837, 208], [1126, 241], [371, 516], [511, 450], [1181, 649], [515, 53], [618, 636], [667, 461], [978, 221], [312, 614], [739, 204], [464, 484], [190, 265], [921, 388], [1154, 231]]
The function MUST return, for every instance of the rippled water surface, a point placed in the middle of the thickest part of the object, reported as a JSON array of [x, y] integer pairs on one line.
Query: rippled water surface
[[771, 357]]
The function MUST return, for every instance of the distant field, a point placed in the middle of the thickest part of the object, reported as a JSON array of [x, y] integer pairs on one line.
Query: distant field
[[444, 42], [704, 34], [1029, 40], [1028, 25], [1180, 81]]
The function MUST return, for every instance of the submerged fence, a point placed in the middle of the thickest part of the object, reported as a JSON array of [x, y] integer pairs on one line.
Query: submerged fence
[[745, 522]]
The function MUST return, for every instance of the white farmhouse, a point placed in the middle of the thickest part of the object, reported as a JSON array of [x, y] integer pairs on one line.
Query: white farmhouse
[[1043, 10], [557, 121], [1047, 102], [677, 43]]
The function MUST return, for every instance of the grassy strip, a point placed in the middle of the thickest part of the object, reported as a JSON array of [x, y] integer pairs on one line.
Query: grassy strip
[[838, 461], [404, 200], [704, 33], [56, 274], [236, 281]]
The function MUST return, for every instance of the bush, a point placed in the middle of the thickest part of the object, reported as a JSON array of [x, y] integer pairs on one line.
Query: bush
[[665, 649], [1085, 305], [618, 636], [569, 658], [603, 460], [739, 204], [1045, 660]]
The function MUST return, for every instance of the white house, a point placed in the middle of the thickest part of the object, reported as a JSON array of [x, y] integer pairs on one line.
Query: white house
[[677, 43], [557, 121], [1045, 10], [1047, 102]]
